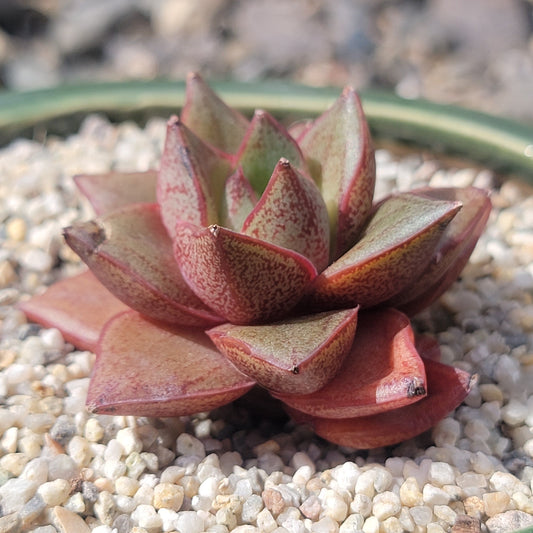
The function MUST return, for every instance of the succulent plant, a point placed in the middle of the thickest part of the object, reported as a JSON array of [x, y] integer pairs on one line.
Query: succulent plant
[[255, 255]]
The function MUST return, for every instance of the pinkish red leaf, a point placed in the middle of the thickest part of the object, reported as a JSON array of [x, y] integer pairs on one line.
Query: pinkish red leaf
[[264, 144], [393, 251], [243, 279], [453, 251], [154, 370], [239, 200], [210, 118], [340, 156], [291, 213], [191, 178], [447, 388], [382, 371], [113, 190], [130, 252], [78, 306], [297, 356]]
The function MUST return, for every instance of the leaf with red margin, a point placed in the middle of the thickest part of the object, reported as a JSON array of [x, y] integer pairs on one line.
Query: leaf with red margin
[[79, 307], [447, 388], [191, 178], [394, 250], [146, 369], [340, 156], [130, 252], [382, 371], [210, 118], [110, 191], [453, 251], [239, 200], [243, 279], [291, 213], [264, 144], [297, 356]]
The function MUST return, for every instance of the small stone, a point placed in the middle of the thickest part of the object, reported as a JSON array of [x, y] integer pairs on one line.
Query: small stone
[[168, 496], [421, 514], [514, 412], [441, 474], [126, 486], [265, 521], [105, 508], [188, 445], [129, 440], [505, 482], [147, 517], [361, 504], [371, 525], [392, 525], [445, 513], [14, 493], [311, 507], [386, 504], [495, 502], [509, 521], [251, 508], [68, 522], [410, 494], [94, 432], [14, 463], [54, 492], [352, 524], [190, 521], [273, 501], [434, 495], [466, 524], [32, 510], [16, 229], [474, 506], [10, 523], [78, 448]]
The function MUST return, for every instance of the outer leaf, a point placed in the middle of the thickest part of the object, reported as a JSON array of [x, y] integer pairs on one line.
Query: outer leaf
[[293, 356], [291, 213], [453, 251], [113, 190], [264, 144], [190, 180], [78, 306], [383, 371], [241, 278], [340, 156], [394, 250], [447, 387], [152, 370], [130, 252], [239, 200], [210, 118]]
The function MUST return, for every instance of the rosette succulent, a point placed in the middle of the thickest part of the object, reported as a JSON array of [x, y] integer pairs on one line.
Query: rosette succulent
[[255, 255]]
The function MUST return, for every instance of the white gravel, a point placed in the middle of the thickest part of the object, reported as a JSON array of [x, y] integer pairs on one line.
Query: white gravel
[[65, 470]]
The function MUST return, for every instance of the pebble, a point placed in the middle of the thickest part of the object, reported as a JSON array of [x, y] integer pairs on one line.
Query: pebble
[[54, 492]]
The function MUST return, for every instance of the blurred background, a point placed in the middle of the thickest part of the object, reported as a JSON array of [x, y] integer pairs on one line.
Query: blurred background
[[478, 53]]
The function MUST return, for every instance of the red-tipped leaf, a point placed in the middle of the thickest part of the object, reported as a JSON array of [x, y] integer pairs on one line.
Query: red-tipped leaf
[[296, 356], [382, 371], [130, 252], [154, 370], [291, 213], [239, 200], [243, 279]]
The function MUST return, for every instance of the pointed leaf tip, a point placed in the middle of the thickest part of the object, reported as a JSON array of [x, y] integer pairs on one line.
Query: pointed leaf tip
[[296, 356]]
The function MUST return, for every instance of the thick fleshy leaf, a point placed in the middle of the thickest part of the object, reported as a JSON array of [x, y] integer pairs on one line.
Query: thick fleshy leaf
[[264, 144], [383, 371], [130, 252], [291, 213], [453, 251], [297, 356], [78, 306], [340, 156], [113, 190], [239, 200], [393, 251], [447, 388], [191, 178], [243, 279], [153, 370], [210, 118]]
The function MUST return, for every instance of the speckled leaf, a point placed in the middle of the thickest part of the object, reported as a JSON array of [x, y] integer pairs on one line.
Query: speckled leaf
[[241, 278], [264, 144], [383, 371], [291, 213], [113, 190], [152, 370], [191, 178], [340, 156], [393, 251], [78, 306], [130, 252], [453, 251], [296, 356], [239, 200], [447, 388], [210, 118]]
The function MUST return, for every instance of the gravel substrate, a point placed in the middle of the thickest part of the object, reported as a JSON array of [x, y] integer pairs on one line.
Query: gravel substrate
[[63, 469]]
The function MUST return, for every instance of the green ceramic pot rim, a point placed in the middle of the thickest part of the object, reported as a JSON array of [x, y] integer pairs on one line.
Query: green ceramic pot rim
[[497, 142]]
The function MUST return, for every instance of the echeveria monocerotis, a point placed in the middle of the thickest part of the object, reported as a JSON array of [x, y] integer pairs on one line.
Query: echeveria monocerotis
[[255, 256]]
